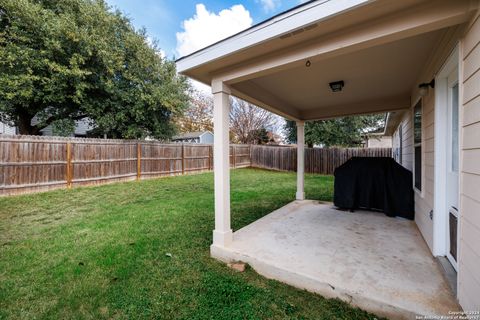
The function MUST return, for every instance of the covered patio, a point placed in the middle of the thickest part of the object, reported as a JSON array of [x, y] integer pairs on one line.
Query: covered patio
[[377, 263], [380, 51]]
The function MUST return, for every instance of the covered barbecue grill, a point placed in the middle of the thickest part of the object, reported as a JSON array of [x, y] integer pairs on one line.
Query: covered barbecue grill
[[376, 184]]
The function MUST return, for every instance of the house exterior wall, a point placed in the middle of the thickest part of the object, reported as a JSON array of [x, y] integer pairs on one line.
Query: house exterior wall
[[6, 129], [207, 137], [469, 248], [424, 198], [469, 79], [403, 141], [379, 142], [81, 128]]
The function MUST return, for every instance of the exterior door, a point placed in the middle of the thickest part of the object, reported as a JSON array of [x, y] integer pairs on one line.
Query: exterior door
[[453, 151]]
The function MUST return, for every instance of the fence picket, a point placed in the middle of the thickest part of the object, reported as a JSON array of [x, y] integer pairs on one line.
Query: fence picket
[[32, 163], [317, 160]]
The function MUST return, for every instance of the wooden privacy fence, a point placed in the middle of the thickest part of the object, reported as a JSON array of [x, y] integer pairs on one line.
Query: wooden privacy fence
[[33, 163], [317, 160]]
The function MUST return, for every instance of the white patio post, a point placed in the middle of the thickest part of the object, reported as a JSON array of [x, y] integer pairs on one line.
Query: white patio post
[[300, 160], [222, 235]]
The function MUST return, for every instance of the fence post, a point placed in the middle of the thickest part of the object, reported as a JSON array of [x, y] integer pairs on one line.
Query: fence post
[[209, 157], [234, 156], [139, 161], [183, 158], [69, 165], [250, 154]]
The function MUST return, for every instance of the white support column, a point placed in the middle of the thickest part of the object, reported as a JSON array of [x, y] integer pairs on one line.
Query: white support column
[[222, 235], [300, 160]]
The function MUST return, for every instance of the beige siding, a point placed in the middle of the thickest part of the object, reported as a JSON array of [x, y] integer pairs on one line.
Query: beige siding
[[424, 199], [407, 140], [6, 129], [471, 110], [469, 260]]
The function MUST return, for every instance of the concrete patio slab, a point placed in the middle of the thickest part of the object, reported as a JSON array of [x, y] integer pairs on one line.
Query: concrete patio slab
[[377, 263]]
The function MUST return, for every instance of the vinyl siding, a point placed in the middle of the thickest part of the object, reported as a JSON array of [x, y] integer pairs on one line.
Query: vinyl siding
[[82, 127], [424, 200], [469, 249], [407, 140], [207, 137], [6, 129]]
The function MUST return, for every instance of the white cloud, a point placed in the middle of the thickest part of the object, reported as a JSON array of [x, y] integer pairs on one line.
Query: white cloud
[[200, 87], [269, 5], [162, 53], [206, 28]]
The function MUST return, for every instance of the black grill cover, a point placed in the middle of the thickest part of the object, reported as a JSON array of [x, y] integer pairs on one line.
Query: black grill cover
[[374, 183]]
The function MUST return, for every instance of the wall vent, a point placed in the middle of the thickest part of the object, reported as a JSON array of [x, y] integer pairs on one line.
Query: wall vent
[[298, 31]]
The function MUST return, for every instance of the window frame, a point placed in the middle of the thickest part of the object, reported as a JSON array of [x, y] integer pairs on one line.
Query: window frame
[[418, 144], [400, 144]]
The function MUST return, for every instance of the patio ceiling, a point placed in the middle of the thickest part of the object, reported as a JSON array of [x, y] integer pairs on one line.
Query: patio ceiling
[[376, 79], [378, 48]]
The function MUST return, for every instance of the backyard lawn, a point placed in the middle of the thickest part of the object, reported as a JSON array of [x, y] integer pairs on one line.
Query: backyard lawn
[[141, 250]]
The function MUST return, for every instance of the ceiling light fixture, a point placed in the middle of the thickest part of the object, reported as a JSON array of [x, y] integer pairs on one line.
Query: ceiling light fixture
[[337, 86]]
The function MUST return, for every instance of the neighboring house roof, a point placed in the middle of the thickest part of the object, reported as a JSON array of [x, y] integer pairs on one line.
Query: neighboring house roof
[[381, 131], [393, 120], [190, 135]]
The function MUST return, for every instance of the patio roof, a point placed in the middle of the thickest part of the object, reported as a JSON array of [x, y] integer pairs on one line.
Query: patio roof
[[285, 64]]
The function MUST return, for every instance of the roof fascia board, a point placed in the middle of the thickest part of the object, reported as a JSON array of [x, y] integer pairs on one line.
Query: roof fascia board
[[204, 133], [414, 21], [284, 23]]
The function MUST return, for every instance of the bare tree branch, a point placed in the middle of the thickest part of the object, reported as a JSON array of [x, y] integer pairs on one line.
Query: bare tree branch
[[248, 120]]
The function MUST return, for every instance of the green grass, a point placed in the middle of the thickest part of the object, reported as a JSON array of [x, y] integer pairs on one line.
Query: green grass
[[104, 252]]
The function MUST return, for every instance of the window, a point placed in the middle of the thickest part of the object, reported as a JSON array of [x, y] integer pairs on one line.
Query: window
[[455, 149], [417, 144], [397, 151], [400, 144]]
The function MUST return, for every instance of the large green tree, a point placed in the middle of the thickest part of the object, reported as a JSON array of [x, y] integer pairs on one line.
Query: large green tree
[[341, 132], [66, 60]]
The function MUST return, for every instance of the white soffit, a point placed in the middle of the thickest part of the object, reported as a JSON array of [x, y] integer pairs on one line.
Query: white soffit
[[379, 72]]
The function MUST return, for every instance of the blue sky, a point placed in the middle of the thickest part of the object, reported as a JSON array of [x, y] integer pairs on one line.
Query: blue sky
[[163, 19]]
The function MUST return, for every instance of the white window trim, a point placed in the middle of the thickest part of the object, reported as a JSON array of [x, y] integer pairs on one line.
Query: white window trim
[[400, 144], [421, 192]]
